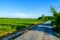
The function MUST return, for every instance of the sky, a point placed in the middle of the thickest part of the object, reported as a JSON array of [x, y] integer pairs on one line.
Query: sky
[[27, 8]]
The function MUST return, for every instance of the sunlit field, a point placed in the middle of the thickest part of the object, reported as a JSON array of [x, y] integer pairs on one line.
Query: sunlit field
[[10, 25]]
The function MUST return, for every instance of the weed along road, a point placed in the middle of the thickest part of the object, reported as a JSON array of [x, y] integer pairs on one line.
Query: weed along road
[[39, 32]]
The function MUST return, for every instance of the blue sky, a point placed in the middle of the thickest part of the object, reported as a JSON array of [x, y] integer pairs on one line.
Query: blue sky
[[27, 8]]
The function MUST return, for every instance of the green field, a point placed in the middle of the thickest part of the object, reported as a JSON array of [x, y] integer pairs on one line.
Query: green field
[[10, 25]]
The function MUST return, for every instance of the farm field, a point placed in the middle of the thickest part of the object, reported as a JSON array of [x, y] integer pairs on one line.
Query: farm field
[[10, 25]]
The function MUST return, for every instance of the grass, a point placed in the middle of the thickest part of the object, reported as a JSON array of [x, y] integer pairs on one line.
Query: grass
[[17, 21], [5, 30], [9, 25]]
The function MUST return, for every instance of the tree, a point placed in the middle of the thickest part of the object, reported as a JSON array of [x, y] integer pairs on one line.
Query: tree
[[53, 11], [56, 20], [42, 17], [39, 18]]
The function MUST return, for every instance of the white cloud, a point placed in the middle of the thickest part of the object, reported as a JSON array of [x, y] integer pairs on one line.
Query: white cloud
[[22, 15], [18, 15]]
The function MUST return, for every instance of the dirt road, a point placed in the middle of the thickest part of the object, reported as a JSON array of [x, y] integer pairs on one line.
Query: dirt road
[[39, 32]]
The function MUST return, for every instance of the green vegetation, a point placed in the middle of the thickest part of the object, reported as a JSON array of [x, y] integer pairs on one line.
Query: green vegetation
[[45, 18], [10, 25], [6, 29], [56, 20], [16, 21]]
